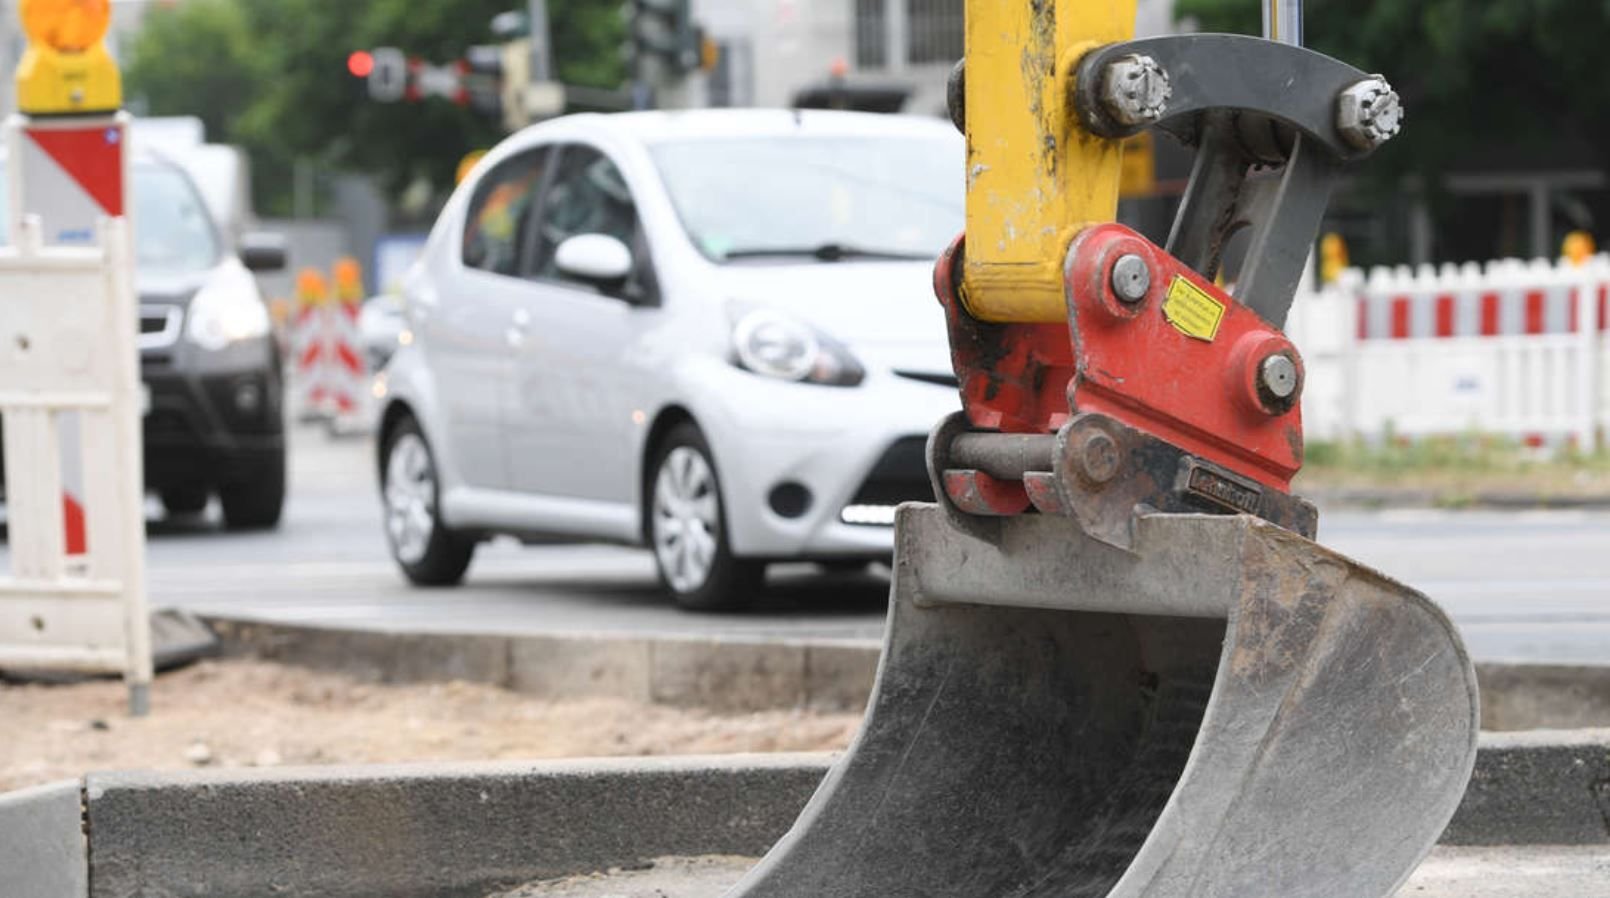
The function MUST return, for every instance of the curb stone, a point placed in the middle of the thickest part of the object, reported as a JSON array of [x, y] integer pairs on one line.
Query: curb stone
[[732, 675], [451, 830]]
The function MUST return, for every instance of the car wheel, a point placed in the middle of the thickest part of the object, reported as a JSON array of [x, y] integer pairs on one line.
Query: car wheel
[[184, 500], [428, 552], [255, 502], [687, 528]]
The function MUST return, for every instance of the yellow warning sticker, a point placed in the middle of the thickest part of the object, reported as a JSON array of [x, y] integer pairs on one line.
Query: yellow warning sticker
[[1193, 310]]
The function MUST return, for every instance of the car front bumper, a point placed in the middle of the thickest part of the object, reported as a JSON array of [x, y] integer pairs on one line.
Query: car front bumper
[[857, 452], [213, 418]]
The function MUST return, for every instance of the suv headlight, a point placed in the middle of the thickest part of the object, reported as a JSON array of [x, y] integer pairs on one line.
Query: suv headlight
[[772, 344], [223, 314]]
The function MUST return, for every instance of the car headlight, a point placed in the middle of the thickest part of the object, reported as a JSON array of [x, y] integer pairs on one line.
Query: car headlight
[[223, 314], [772, 344]]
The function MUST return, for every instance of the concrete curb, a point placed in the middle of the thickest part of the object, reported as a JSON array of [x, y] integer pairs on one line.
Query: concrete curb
[[718, 674], [1537, 788], [759, 675], [466, 829], [43, 847]]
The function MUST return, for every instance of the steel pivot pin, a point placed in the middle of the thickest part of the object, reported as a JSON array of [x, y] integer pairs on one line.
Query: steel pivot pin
[[1278, 378], [1131, 278], [1135, 90]]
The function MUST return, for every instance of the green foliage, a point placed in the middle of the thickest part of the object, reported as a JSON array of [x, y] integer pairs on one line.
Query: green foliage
[[271, 76], [1474, 74], [1473, 452], [198, 60]]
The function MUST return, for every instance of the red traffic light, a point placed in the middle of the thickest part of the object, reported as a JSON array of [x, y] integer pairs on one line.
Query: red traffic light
[[361, 63]]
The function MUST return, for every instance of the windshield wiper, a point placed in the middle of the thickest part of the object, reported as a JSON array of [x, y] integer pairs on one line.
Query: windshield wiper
[[827, 252]]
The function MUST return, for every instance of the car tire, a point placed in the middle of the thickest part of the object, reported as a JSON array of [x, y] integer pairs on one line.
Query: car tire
[[255, 502], [429, 553], [182, 501], [687, 528]]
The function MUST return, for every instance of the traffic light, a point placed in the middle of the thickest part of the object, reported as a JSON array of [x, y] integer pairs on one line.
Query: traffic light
[[361, 63], [490, 69], [662, 34], [384, 71]]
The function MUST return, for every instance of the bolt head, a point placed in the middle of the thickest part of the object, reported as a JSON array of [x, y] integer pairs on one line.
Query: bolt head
[[1098, 458], [1278, 376], [1131, 278], [1369, 113], [956, 96], [1135, 90]]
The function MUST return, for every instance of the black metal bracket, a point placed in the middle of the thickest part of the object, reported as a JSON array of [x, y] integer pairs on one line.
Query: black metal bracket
[[1243, 102]]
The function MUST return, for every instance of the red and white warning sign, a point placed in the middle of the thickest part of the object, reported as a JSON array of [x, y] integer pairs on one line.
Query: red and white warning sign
[[72, 173]]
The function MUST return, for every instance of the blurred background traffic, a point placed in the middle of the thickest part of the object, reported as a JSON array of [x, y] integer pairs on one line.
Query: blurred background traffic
[[705, 328]]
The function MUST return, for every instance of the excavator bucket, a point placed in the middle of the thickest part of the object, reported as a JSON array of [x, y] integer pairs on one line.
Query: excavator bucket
[[1224, 709]]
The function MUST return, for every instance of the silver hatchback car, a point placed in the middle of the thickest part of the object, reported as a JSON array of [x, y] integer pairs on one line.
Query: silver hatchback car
[[712, 333]]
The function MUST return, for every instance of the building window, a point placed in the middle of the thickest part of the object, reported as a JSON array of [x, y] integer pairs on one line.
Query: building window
[[871, 34], [933, 31]]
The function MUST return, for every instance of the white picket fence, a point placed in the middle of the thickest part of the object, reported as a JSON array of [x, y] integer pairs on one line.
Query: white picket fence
[[1510, 348]]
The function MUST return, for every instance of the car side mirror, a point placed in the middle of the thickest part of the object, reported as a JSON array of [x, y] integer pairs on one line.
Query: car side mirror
[[262, 252], [597, 259]]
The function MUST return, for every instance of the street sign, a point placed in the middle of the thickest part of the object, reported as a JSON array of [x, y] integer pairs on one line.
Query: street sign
[[443, 81]]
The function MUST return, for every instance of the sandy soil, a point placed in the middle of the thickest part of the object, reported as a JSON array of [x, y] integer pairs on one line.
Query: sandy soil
[[1545, 871], [251, 713]]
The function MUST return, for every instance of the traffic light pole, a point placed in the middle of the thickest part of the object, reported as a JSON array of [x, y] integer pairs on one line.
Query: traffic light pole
[[541, 41]]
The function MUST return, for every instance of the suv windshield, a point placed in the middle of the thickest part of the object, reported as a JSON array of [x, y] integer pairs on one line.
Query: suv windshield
[[173, 231], [829, 198]]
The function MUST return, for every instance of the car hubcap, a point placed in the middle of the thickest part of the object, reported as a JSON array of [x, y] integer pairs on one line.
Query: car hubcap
[[410, 498], [687, 517]]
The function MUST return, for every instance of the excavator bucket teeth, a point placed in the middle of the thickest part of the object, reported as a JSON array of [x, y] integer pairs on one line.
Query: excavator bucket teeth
[[1226, 710]]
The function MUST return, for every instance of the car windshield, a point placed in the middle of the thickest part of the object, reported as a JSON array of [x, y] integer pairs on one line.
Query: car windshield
[[829, 198], [173, 231]]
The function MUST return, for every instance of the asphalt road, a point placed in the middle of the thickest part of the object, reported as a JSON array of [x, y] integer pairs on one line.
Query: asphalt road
[[1521, 585]]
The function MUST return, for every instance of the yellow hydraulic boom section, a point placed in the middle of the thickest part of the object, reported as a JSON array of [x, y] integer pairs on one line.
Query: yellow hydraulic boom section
[[1034, 175]]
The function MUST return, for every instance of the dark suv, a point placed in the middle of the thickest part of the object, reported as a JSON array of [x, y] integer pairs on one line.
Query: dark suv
[[214, 416]]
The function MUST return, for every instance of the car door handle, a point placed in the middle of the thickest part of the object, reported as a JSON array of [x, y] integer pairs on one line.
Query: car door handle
[[515, 335]]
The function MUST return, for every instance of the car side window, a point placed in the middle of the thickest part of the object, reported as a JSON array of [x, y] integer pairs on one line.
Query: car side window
[[588, 195], [500, 213]]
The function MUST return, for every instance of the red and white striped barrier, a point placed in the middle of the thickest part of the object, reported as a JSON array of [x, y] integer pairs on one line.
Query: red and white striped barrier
[[1510, 348], [331, 380]]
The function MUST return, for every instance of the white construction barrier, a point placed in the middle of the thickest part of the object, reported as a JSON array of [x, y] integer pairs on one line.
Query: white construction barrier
[[331, 381], [1510, 348], [67, 348]]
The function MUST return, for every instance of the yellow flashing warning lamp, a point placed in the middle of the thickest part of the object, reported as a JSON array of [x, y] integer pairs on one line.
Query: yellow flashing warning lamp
[[1578, 247], [467, 165], [1333, 258], [66, 69]]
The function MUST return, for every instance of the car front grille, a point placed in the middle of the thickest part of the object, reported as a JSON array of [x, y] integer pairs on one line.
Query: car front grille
[[900, 475]]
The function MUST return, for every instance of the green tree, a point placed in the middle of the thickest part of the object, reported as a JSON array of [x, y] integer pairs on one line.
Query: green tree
[[271, 75], [198, 59]]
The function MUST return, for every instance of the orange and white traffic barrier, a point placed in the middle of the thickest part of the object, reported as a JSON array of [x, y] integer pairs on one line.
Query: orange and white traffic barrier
[[348, 381], [309, 393]]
